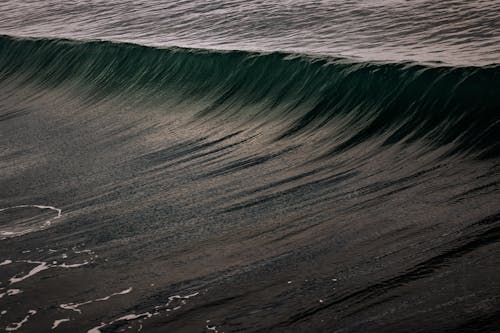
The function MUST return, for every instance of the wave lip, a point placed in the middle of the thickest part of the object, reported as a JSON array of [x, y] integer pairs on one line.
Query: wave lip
[[439, 105]]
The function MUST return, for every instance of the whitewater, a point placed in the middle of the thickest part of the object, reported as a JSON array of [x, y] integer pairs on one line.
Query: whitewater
[[249, 166]]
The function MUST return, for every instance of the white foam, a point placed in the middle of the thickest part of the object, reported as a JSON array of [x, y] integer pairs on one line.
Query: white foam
[[59, 211], [212, 328], [82, 251], [41, 267], [11, 292], [16, 326], [73, 265], [133, 316], [97, 329], [59, 322], [128, 317], [5, 262], [46, 223], [145, 315], [174, 297], [75, 306]]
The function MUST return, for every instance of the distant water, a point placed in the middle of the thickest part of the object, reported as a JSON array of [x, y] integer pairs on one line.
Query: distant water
[[454, 32], [236, 166]]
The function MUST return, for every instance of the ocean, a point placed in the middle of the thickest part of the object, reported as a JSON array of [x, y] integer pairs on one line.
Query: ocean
[[249, 166]]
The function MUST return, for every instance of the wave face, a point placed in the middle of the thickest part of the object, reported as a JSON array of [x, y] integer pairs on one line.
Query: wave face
[[456, 106], [246, 191]]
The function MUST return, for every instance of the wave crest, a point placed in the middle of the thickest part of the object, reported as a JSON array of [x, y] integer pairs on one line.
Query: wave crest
[[397, 102]]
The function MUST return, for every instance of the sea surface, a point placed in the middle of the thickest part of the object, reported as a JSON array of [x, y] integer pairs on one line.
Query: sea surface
[[249, 166]]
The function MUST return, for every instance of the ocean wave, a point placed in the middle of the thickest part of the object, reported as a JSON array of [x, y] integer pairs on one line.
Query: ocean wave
[[353, 101], [287, 192]]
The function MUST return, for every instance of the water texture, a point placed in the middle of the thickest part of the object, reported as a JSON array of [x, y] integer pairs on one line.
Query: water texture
[[237, 166]]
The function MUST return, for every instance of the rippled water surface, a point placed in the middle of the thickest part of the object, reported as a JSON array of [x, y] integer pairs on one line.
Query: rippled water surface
[[249, 166], [454, 32]]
